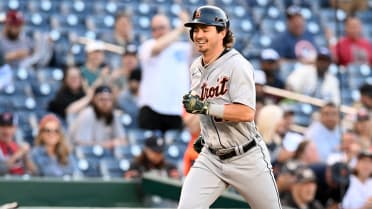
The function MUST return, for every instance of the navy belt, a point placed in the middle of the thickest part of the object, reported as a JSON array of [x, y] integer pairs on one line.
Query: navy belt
[[224, 154]]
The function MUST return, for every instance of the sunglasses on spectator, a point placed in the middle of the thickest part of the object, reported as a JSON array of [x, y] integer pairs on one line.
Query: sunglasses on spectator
[[48, 130]]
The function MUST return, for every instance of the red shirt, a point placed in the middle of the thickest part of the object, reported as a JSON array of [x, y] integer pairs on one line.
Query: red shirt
[[8, 149], [349, 51]]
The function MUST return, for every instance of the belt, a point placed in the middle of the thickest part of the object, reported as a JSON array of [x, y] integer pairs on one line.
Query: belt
[[224, 154]]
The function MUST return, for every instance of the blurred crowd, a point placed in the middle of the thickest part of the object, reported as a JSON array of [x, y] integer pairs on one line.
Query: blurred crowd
[[121, 112]]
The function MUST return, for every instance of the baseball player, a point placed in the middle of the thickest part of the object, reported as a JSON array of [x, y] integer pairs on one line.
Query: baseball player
[[223, 93]]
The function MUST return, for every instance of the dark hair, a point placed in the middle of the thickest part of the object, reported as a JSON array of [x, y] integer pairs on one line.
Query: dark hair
[[228, 40], [300, 149]]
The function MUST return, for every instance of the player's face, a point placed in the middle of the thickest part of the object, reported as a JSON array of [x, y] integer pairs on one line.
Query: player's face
[[207, 39]]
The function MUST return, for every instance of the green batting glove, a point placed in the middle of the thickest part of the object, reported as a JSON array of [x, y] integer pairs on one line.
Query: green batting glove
[[194, 105]]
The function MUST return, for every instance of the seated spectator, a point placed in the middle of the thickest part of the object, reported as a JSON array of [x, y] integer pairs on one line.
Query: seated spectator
[[128, 99], [332, 183], [51, 153], [362, 129], [359, 193], [94, 71], [152, 159], [306, 153], [286, 176], [325, 133], [70, 91], [295, 39], [99, 123], [315, 80], [365, 101], [352, 48], [120, 76], [13, 42], [14, 158], [302, 192], [270, 64], [349, 148]]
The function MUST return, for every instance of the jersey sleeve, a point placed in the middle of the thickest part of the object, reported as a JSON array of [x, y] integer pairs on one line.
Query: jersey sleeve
[[242, 88]]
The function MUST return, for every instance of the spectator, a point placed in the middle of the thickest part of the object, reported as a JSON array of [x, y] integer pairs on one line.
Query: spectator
[[94, 70], [14, 158], [295, 40], [306, 153], [6, 73], [123, 36], [315, 80], [332, 183], [353, 48], [365, 101], [286, 176], [362, 128], [71, 90], [99, 123], [325, 133], [128, 99], [359, 193], [51, 153], [162, 57], [302, 192], [152, 159], [350, 6], [13, 42], [271, 66], [349, 148], [119, 77]]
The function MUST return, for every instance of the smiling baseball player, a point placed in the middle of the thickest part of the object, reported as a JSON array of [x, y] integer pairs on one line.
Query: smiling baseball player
[[223, 93]]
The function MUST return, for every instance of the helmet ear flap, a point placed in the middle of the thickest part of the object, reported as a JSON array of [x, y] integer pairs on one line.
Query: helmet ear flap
[[191, 34]]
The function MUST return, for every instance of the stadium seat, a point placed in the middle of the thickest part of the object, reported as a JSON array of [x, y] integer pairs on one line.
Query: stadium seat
[[113, 168]]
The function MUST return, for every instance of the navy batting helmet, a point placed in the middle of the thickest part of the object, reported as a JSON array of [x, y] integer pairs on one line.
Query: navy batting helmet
[[209, 15]]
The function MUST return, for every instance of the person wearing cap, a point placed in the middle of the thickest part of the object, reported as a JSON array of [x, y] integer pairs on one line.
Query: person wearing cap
[[270, 65], [359, 193], [152, 158], [164, 60], [123, 35], [99, 123], [315, 80], [13, 42], [302, 191], [295, 39], [94, 70], [332, 182], [352, 48], [127, 100], [14, 158], [51, 153]]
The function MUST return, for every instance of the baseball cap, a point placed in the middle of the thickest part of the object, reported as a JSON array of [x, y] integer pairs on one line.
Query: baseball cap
[[94, 46], [304, 175], [155, 143], [102, 89], [14, 18], [130, 49], [340, 173], [365, 153], [259, 77], [293, 10], [269, 55], [7, 119], [324, 53]]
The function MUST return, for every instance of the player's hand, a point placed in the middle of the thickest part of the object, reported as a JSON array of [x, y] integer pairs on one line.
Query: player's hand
[[193, 104], [198, 144]]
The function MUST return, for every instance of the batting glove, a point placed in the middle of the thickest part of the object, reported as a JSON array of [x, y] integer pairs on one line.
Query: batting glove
[[193, 104]]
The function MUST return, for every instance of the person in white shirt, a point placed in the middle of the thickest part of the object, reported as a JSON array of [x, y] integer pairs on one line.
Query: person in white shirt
[[165, 61], [359, 193]]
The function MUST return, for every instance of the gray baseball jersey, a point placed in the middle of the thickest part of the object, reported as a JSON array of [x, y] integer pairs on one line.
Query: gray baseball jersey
[[227, 80]]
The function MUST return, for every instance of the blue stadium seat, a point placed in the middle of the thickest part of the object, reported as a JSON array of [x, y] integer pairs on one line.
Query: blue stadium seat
[[114, 168]]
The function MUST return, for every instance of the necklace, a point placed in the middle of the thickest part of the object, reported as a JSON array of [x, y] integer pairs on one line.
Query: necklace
[[205, 65]]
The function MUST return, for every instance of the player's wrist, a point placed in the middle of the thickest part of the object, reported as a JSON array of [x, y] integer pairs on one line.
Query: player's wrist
[[216, 110]]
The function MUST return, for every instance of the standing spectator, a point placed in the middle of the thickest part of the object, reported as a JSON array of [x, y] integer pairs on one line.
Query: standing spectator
[[128, 99], [94, 70], [359, 193], [51, 153], [271, 66], [315, 80], [14, 158], [152, 158], [302, 192], [13, 42], [295, 40], [123, 35], [353, 48], [325, 133], [99, 123], [71, 90], [162, 57]]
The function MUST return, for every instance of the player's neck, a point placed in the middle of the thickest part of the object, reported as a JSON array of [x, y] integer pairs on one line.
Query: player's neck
[[210, 58]]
